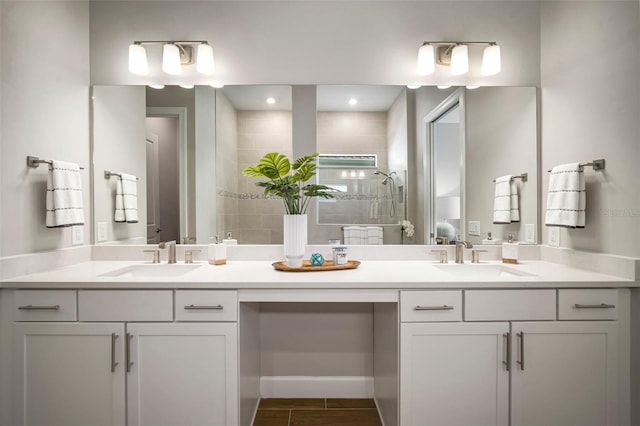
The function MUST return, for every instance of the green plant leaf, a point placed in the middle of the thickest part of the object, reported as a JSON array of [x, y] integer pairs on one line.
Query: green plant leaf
[[274, 165], [252, 171], [304, 160]]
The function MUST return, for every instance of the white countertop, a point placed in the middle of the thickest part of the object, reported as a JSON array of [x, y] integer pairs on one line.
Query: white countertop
[[371, 274]]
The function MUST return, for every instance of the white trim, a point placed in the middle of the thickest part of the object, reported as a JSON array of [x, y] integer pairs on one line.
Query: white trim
[[457, 97], [316, 387], [181, 113]]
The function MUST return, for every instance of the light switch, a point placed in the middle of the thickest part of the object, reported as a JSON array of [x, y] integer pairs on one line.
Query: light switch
[[102, 232], [530, 233], [474, 227], [554, 236], [77, 235]]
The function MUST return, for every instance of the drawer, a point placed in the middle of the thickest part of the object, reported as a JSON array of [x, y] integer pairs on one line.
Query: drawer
[[417, 306], [509, 305], [125, 305], [44, 305], [588, 304], [206, 305]]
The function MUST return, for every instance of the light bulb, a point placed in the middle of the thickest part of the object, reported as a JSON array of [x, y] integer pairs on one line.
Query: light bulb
[[205, 63], [459, 60], [138, 60], [491, 60], [271, 101], [171, 59], [426, 60], [353, 101]]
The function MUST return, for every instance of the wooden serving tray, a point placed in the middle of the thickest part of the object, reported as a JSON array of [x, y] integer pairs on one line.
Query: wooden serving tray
[[306, 266]]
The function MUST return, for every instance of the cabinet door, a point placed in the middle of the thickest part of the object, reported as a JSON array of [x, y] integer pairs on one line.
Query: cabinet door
[[564, 374], [69, 374], [182, 374], [454, 374]]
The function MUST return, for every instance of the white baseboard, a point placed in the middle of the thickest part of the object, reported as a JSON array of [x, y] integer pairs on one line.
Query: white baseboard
[[316, 387]]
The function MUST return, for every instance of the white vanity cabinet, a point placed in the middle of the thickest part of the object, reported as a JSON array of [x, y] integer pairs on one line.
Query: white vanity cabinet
[[68, 374], [126, 355]]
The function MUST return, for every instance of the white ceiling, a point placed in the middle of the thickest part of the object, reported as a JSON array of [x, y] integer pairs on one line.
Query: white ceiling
[[329, 98]]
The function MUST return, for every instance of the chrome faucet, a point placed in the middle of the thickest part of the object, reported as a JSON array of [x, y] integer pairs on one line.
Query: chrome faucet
[[460, 246], [171, 245]]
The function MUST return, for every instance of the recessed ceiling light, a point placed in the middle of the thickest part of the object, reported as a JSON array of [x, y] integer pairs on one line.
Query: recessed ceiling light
[[186, 86], [353, 101], [413, 86], [472, 87], [271, 101], [157, 86], [443, 87], [217, 85]]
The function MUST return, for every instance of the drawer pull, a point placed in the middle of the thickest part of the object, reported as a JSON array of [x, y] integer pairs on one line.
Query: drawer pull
[[39, 308], [202, 307], [114, 336], [433, 308], [600, 306]]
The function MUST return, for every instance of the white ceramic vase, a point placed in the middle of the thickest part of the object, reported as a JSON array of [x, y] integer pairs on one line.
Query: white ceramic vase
[[295, 238]]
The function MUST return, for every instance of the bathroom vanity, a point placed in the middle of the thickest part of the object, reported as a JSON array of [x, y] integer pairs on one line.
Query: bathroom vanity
[[127, 342]]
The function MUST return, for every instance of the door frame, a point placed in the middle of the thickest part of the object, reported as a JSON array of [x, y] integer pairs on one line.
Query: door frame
[[455, 98], [183, 181]]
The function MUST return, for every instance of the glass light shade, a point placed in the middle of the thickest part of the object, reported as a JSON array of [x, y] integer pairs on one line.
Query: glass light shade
[[171, 59], [138, 60], [205, 63], [459, 60], [426, 60], [491, 60]]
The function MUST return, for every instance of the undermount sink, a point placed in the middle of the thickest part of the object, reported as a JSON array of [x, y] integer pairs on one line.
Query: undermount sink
[[482, 271], [163, 270]]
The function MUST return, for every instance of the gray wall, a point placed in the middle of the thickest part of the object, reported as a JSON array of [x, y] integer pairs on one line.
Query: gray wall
[[501, 139], [45, 112], [119, 133], [590, 109], [316, 42]]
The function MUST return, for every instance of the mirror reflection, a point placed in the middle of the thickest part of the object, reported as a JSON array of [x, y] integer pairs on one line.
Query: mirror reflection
[[188, 147]]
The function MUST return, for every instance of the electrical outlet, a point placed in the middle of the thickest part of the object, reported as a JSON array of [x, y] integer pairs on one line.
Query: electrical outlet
[[474, 227], [554, 236], [102, 232], [77, 235], [530, 233]]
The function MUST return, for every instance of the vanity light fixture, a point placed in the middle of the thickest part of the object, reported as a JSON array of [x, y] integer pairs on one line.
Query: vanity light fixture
[[441, 87], [217, 85], [413, 86], [175, 54], [455, 54], [157, 86], [186, 86], [353, 101], [271, 101], [472, 87]]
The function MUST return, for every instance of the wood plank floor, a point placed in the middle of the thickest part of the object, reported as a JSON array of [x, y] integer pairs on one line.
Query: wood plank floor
[[317, 412]]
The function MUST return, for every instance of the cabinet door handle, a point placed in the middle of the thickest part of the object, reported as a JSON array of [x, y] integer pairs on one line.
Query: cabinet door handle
[[196, 307], [506, 337], [520, 361], [433, 308], [114, 336], [600, 306], [128, 351], [39, 308]]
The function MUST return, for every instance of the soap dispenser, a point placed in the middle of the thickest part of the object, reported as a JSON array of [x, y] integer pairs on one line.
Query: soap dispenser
[[510, 251], [229, 240], [217, 253]]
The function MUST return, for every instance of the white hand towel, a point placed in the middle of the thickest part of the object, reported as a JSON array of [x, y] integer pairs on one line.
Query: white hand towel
[[126, 199], [118, 215], [515, 203], [566, 199], [502, 200], [64, 195]]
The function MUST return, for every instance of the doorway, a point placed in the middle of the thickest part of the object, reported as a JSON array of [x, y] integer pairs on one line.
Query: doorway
[[163, 182]]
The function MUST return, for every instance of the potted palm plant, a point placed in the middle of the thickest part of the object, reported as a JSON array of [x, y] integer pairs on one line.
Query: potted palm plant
[[289, 181]]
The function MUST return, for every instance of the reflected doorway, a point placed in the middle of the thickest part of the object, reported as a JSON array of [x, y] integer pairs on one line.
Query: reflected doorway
[[163, 184]]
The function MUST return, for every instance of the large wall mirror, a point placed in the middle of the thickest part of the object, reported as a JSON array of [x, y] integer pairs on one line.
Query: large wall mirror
[[187, 148]]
